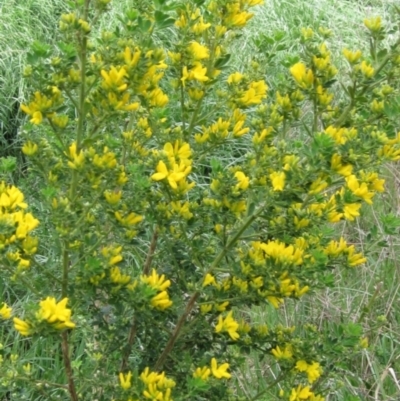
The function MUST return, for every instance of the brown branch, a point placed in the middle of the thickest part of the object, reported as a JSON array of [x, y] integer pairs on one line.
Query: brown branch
[[160, 362], [128, 348], [150, 254], [68, 368], [133, 329]]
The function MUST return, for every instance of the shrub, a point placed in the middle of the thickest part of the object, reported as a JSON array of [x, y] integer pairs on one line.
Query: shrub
[[176, 193]]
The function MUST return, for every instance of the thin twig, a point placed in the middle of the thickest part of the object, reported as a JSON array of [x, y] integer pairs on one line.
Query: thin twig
[[68, 368], [150, 253], [160, 362]]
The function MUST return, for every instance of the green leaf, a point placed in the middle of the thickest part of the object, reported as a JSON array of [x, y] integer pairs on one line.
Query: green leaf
[[49, 192], [159, 3], [216, 166], [222, 61], [8, 164], [391, 223], [352, 329], [144, 24], [40, 49], [132, 15], [163, 20], [68, 49]]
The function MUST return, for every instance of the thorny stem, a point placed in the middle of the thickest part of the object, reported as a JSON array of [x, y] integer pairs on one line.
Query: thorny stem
[[64, 283], [81, 103], [174, 336], [133, 329], [232, 241], [73, 191], [128, 349], [183, 107], [192, 301], [68, 368], [150, 253]]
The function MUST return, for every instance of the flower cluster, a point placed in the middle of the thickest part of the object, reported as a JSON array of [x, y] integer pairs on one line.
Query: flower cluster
[[156, 386], [219, 372], [159, 284], [179, 167], [15, 226], [55, 315]]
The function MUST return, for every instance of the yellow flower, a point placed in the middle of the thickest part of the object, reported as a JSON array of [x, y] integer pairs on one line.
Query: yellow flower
[[77, 158], [205, 308], [300, 393], [59, 121], [364, 342], [84, 25], [130, 220], [313, 370], [157, 98], [125, 380], [235, 78], [374, 24], [377, 107], [302, 76], [11, 197], [156, 281], [174, 176], [342, 169], [195, 93], [321, 63], [243, 180], [200, 26], [202, 373], [162, 172], [209, 280], [198, 51], [284, 101], [117, 277], [317, 186], [197, 73], [255, 93], [37, 107], [29, 148], [114, 79], [278, 180], [161, 301], [181, 21], [178, 151], [5, 311], [112, 197], [222, 307], [354, 259], [130, 59], [220, 372], [352, 57], [23, 327], [285, 353], [307, 33], [351, 210], [228, 325], [57, 313], [359, 190], [367, 70]]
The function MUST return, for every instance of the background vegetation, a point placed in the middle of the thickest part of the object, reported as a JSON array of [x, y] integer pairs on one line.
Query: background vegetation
[[371, 294]]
